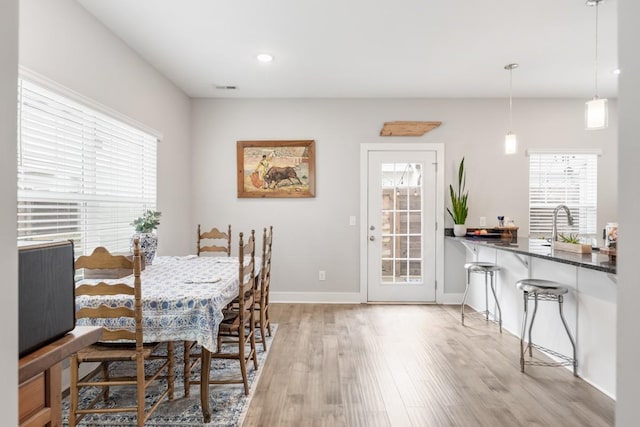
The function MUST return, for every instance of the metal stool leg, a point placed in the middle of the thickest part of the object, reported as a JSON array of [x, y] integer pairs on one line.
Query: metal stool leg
[[464, 298], [524, 329], [533, 317], [486, 298], [495, 297], [544, 290], [566, 327]]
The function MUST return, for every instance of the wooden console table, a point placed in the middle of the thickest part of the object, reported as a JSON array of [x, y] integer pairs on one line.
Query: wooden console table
[[39, 376]]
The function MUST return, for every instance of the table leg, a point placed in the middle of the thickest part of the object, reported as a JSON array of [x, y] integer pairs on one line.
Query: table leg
[[205, 366], [54, 385]]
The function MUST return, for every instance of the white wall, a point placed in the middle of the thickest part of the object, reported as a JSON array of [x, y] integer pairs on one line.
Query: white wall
[[629, 206], [61, 41], [8, 251], [313, 234]]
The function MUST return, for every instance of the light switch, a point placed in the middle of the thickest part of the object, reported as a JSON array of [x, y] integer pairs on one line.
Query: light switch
[[352, 220]]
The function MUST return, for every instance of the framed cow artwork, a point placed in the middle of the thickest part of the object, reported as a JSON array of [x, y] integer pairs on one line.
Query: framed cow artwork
[[276, 168]]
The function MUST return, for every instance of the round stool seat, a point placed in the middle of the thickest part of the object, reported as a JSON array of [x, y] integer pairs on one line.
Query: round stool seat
[[481, 266], [541, 287]]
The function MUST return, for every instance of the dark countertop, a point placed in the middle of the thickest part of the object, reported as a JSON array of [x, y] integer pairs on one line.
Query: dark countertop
[[535, 247]]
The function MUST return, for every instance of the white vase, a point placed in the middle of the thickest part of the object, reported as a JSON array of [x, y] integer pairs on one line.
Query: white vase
[[148, 245], [459, 230]]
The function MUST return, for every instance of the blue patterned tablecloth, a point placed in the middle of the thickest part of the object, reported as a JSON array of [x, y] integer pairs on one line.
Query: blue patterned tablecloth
[[182, 298]]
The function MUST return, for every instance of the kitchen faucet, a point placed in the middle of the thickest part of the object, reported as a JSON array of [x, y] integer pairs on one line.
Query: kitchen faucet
[[554, 225]]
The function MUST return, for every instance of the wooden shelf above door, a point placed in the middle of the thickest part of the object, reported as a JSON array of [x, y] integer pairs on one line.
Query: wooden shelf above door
[[408, 128]]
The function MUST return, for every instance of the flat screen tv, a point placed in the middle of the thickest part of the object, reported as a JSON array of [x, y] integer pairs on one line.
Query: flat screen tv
[[46, 294]]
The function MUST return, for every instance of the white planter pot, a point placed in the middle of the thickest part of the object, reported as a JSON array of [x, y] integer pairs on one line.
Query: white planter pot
[[148, 245], [459, 230]]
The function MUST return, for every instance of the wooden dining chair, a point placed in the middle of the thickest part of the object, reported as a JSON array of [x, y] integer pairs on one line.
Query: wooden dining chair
[[263, 322], [124, 317], [190, 357], [221, 241], [237, 327]]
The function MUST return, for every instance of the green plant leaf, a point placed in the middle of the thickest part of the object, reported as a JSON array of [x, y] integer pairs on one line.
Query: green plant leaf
[[148, 222], [459, 209], [571, 238]]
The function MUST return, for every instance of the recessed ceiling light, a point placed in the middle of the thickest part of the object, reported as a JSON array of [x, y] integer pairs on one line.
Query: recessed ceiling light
[[616, 71], [264, 57]]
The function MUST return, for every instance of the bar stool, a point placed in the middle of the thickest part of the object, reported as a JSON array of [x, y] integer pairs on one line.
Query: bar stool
[[489, 270], [543, 290]]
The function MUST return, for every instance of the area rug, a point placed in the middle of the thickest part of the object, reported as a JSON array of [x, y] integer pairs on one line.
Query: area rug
[[228, 403]]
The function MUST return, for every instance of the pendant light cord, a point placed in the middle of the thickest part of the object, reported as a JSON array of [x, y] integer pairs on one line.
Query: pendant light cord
[[510, 99], [596, 74]]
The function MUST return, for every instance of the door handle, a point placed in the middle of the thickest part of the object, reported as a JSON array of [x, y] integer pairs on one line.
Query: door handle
[[372, 238]]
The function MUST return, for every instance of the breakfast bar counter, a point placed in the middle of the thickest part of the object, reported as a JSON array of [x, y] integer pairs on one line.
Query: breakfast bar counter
[[540, 248], [590, 307]]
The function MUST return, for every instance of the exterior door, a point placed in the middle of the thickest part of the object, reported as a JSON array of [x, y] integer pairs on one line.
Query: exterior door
[[401, 226]]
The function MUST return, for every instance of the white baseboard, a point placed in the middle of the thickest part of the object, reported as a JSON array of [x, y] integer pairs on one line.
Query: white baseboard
[[451, 299], [339, 297], [316, 297]]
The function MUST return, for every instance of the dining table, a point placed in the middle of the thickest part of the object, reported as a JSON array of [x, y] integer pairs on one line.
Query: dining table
[[182, 300]]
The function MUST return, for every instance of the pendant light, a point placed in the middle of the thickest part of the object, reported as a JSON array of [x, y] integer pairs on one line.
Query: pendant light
[[596, 114], [510, 140]]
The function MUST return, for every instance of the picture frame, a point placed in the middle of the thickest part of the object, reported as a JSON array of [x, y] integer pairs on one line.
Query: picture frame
[[276, 169]]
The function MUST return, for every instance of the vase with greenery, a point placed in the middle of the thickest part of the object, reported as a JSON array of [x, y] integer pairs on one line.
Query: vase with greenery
[[459, 209], [144, 226]]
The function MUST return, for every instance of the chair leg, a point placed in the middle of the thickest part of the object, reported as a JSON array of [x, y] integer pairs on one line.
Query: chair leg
[[263, 319], [524, 329], [105, 375], [187, 368], [464, 297], [252, 339], [140, 394], [573, 343], [266, 313], [495, 297], [171, 369], [242, 359]]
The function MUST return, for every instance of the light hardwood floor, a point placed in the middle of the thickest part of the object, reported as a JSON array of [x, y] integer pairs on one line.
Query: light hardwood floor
[[409, 365]]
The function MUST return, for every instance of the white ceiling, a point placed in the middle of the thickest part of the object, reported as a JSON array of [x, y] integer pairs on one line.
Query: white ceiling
[[371, 48]]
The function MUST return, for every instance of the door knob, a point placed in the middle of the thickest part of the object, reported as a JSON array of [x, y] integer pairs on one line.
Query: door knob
[[372, 238]]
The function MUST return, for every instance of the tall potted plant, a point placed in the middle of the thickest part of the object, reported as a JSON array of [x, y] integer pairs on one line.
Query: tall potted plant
[[145, 225], [459, 208]]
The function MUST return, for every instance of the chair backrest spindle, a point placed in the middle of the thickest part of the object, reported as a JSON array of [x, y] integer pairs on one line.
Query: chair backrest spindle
[[246, 274]]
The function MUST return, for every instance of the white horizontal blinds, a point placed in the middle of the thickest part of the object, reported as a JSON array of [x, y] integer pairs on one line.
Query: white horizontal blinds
[[563, 178], [82, 175]]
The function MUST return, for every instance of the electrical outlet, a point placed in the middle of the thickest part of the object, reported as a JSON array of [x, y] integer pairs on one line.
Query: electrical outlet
[[322, 275]]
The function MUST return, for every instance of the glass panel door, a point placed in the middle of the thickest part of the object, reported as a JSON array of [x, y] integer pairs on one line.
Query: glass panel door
[[401, 228], [401, 247]]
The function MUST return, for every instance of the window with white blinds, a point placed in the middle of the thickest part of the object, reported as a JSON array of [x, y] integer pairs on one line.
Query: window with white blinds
[[563, 178], [82, 175]]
